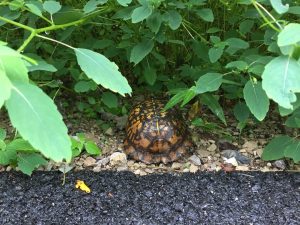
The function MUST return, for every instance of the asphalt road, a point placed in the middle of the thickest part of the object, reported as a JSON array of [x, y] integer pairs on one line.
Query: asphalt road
[[124, 198]]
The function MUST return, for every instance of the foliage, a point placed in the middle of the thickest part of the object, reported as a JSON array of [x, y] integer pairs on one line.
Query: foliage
[[245, 52]]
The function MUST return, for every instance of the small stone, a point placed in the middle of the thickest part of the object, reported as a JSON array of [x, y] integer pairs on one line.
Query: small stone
[[231, 161], [142, 165], [118, 159], [103, 162], [147, 170], [259, 152], [195, 160], [212, 148], [269, 164], [176, 165], [203, 153], [143, 173], [137, 172], [241, 159], [109, 131], [122, 168], [8, 168], [97, 169], [193, 168], [186, 170], [89, 161], [130, 163], [280, 164], [242, 168]]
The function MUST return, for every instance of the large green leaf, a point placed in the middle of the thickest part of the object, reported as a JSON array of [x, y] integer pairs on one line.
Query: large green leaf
[[213, 105], [6, 156], [51, 6], [141, 13], [205, 14], [141, 50], [276, 147], [279, 7], [293, 151], [36, 117], [208, 82], [5, 85], [289, 35], [28, 162], [293, 120], [175, 19], [110, 99], [281, 80], [256, 99], [215, 53], [102, 71]]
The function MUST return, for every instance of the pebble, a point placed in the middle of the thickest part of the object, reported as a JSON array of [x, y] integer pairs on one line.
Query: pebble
[[103, 162], [122, 168], [212, 148], [241, 159], [89, 161], [193, 168], [130, 163], [186, 170], [195, 160], [203, 153], [280, 164], [176, 166], [118, 159]]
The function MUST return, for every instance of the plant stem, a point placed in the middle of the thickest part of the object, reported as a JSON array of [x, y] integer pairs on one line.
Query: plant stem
[[26, 42], [17, 24], [50, 39]]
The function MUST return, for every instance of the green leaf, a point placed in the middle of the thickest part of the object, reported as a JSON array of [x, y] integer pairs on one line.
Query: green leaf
[[102, 71], [141, 13], [240, 65], [150, 75], [256, 99], [91, 5], [236, 44], [35, 7], [215, 53], [7, 156], [20, 145], [296, 105], [16, 4], [110, 99], [281, 80], [175, 99], [85, 86], [293, 151], [51, 6], [189, 95], [28, 162], [208, 82], [67, 15], [279, 7], [36, 117], [41, 65], [124, 2], [92, 148], [154, 22], [141, 50], [294, 10], [205, 14], [175, 19], [289, 35], [293, 121], [213, 105], [241, 112], [276, 147], [5, 85], [246, 26]]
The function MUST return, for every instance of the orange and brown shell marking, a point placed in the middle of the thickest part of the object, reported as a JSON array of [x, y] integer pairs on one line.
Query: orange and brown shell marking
[[153, 135]]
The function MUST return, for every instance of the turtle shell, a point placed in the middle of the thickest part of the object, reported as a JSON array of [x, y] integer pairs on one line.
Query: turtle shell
[[153, 135]]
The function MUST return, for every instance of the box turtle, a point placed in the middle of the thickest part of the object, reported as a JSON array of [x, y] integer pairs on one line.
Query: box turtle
[[153, 135]]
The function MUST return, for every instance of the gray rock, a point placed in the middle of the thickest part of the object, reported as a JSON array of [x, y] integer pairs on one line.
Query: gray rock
[[118, 159], [195, 160], [280, 164], [241, 159]]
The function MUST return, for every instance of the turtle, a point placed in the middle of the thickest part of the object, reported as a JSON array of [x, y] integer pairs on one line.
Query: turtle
[[154, 135]]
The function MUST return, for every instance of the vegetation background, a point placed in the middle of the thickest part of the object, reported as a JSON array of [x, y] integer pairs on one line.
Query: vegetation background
[[241, 56]]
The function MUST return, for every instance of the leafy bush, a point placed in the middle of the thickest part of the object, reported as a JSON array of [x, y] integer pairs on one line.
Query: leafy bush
[[244, 51]]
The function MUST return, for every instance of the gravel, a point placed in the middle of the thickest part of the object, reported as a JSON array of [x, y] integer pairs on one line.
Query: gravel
[[125, 198]]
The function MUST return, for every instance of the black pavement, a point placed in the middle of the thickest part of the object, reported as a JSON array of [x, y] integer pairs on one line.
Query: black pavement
[[124, 198]]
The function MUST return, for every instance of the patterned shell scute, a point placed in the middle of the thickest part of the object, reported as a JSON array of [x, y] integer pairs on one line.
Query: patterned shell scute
[[153, 135]]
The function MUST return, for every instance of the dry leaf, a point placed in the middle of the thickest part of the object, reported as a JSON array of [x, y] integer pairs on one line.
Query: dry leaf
[[82, 186]]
